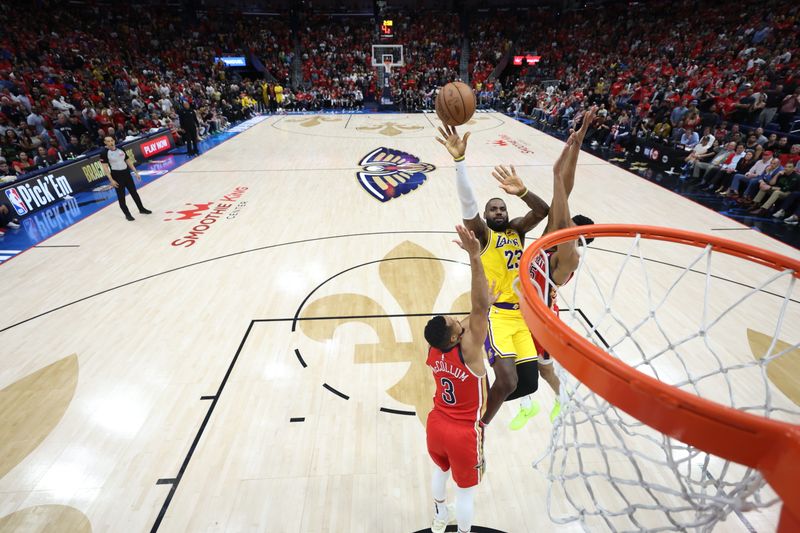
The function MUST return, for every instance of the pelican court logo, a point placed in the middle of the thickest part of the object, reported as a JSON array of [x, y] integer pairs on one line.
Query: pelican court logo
[[387, 174]]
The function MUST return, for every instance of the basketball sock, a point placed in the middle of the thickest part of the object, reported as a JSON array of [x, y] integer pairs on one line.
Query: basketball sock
[[526, 402], [465, 507], [439, 510], [439, 489]]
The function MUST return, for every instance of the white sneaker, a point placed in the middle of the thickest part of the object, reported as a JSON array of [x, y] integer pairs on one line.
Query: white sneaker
[[438, 526], [13, 225], [779, 214], [791, 220]]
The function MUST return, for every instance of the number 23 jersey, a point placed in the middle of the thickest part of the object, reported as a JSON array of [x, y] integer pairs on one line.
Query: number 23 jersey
[[500, 260]]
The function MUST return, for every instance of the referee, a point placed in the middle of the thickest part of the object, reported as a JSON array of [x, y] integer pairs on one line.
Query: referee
[[118, 167], [189, 124]]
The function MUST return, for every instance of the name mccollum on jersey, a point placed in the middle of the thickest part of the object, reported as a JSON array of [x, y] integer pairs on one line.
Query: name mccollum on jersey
[[448, 368]]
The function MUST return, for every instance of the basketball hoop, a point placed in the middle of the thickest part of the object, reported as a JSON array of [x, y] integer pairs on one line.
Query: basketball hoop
[[615, 370]]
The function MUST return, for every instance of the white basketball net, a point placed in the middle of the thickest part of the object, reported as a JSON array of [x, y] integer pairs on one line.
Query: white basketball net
[[683, 326]]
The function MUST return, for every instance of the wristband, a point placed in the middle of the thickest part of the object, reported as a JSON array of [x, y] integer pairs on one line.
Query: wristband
[[458, 159], [523, 193]]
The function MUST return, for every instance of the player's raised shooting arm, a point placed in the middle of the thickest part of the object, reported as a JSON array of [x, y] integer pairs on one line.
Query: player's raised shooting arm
[[469, 206], [470, 214]]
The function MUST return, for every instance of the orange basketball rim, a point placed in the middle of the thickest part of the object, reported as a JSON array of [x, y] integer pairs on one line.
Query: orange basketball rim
[[771, 446]]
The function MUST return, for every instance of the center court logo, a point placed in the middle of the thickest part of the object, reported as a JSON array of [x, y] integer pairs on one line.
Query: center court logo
[[387, 173], [206, 215]]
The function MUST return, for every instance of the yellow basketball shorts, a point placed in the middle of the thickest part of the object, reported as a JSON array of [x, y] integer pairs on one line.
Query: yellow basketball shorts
[[509, 337]]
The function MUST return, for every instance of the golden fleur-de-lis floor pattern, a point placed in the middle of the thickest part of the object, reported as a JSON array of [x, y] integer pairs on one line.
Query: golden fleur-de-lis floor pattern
[[414, 277], [390, 129], [783, 371], [30, 409], [316, 120]]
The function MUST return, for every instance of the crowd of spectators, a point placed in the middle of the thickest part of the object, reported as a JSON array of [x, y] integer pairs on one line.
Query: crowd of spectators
[[432, 44], [719, 83], [669, 70], [336, 62], [269, 39], [488, 42], [686, 73], [77, 76]]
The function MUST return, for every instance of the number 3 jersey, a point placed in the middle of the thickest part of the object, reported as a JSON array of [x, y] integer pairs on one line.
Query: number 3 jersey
[[500, 260], [460, 394]]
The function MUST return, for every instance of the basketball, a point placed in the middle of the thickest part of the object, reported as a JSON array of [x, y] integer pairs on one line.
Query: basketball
[[455, 103]]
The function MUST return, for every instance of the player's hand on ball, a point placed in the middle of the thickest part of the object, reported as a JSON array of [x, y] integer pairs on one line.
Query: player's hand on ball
[[509, 181], [456, 145], [467, 240]]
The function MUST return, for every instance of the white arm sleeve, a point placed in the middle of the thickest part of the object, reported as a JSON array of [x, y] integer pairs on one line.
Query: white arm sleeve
[[469, 206]]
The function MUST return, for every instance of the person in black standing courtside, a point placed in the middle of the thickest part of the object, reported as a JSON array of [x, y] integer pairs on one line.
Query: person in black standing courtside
[[189, 125], [118, 167]]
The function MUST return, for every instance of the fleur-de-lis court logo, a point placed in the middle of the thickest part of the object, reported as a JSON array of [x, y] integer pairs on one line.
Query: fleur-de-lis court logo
[[390, 129], [784, 368], [30, 409], [387, 173], [316, 120], [414, 277]]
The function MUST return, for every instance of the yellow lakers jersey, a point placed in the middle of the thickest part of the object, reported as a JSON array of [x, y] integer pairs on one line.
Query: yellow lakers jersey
[[500, 261]]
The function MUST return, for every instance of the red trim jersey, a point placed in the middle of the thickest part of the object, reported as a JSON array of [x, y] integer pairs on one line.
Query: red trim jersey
[[460, 394], [541, 263]]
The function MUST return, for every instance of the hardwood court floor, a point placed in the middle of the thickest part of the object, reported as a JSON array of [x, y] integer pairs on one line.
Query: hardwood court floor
[[250, 357]]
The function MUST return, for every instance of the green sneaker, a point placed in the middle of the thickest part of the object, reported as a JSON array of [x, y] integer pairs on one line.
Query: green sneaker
[[556, 411], [523, 416]]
